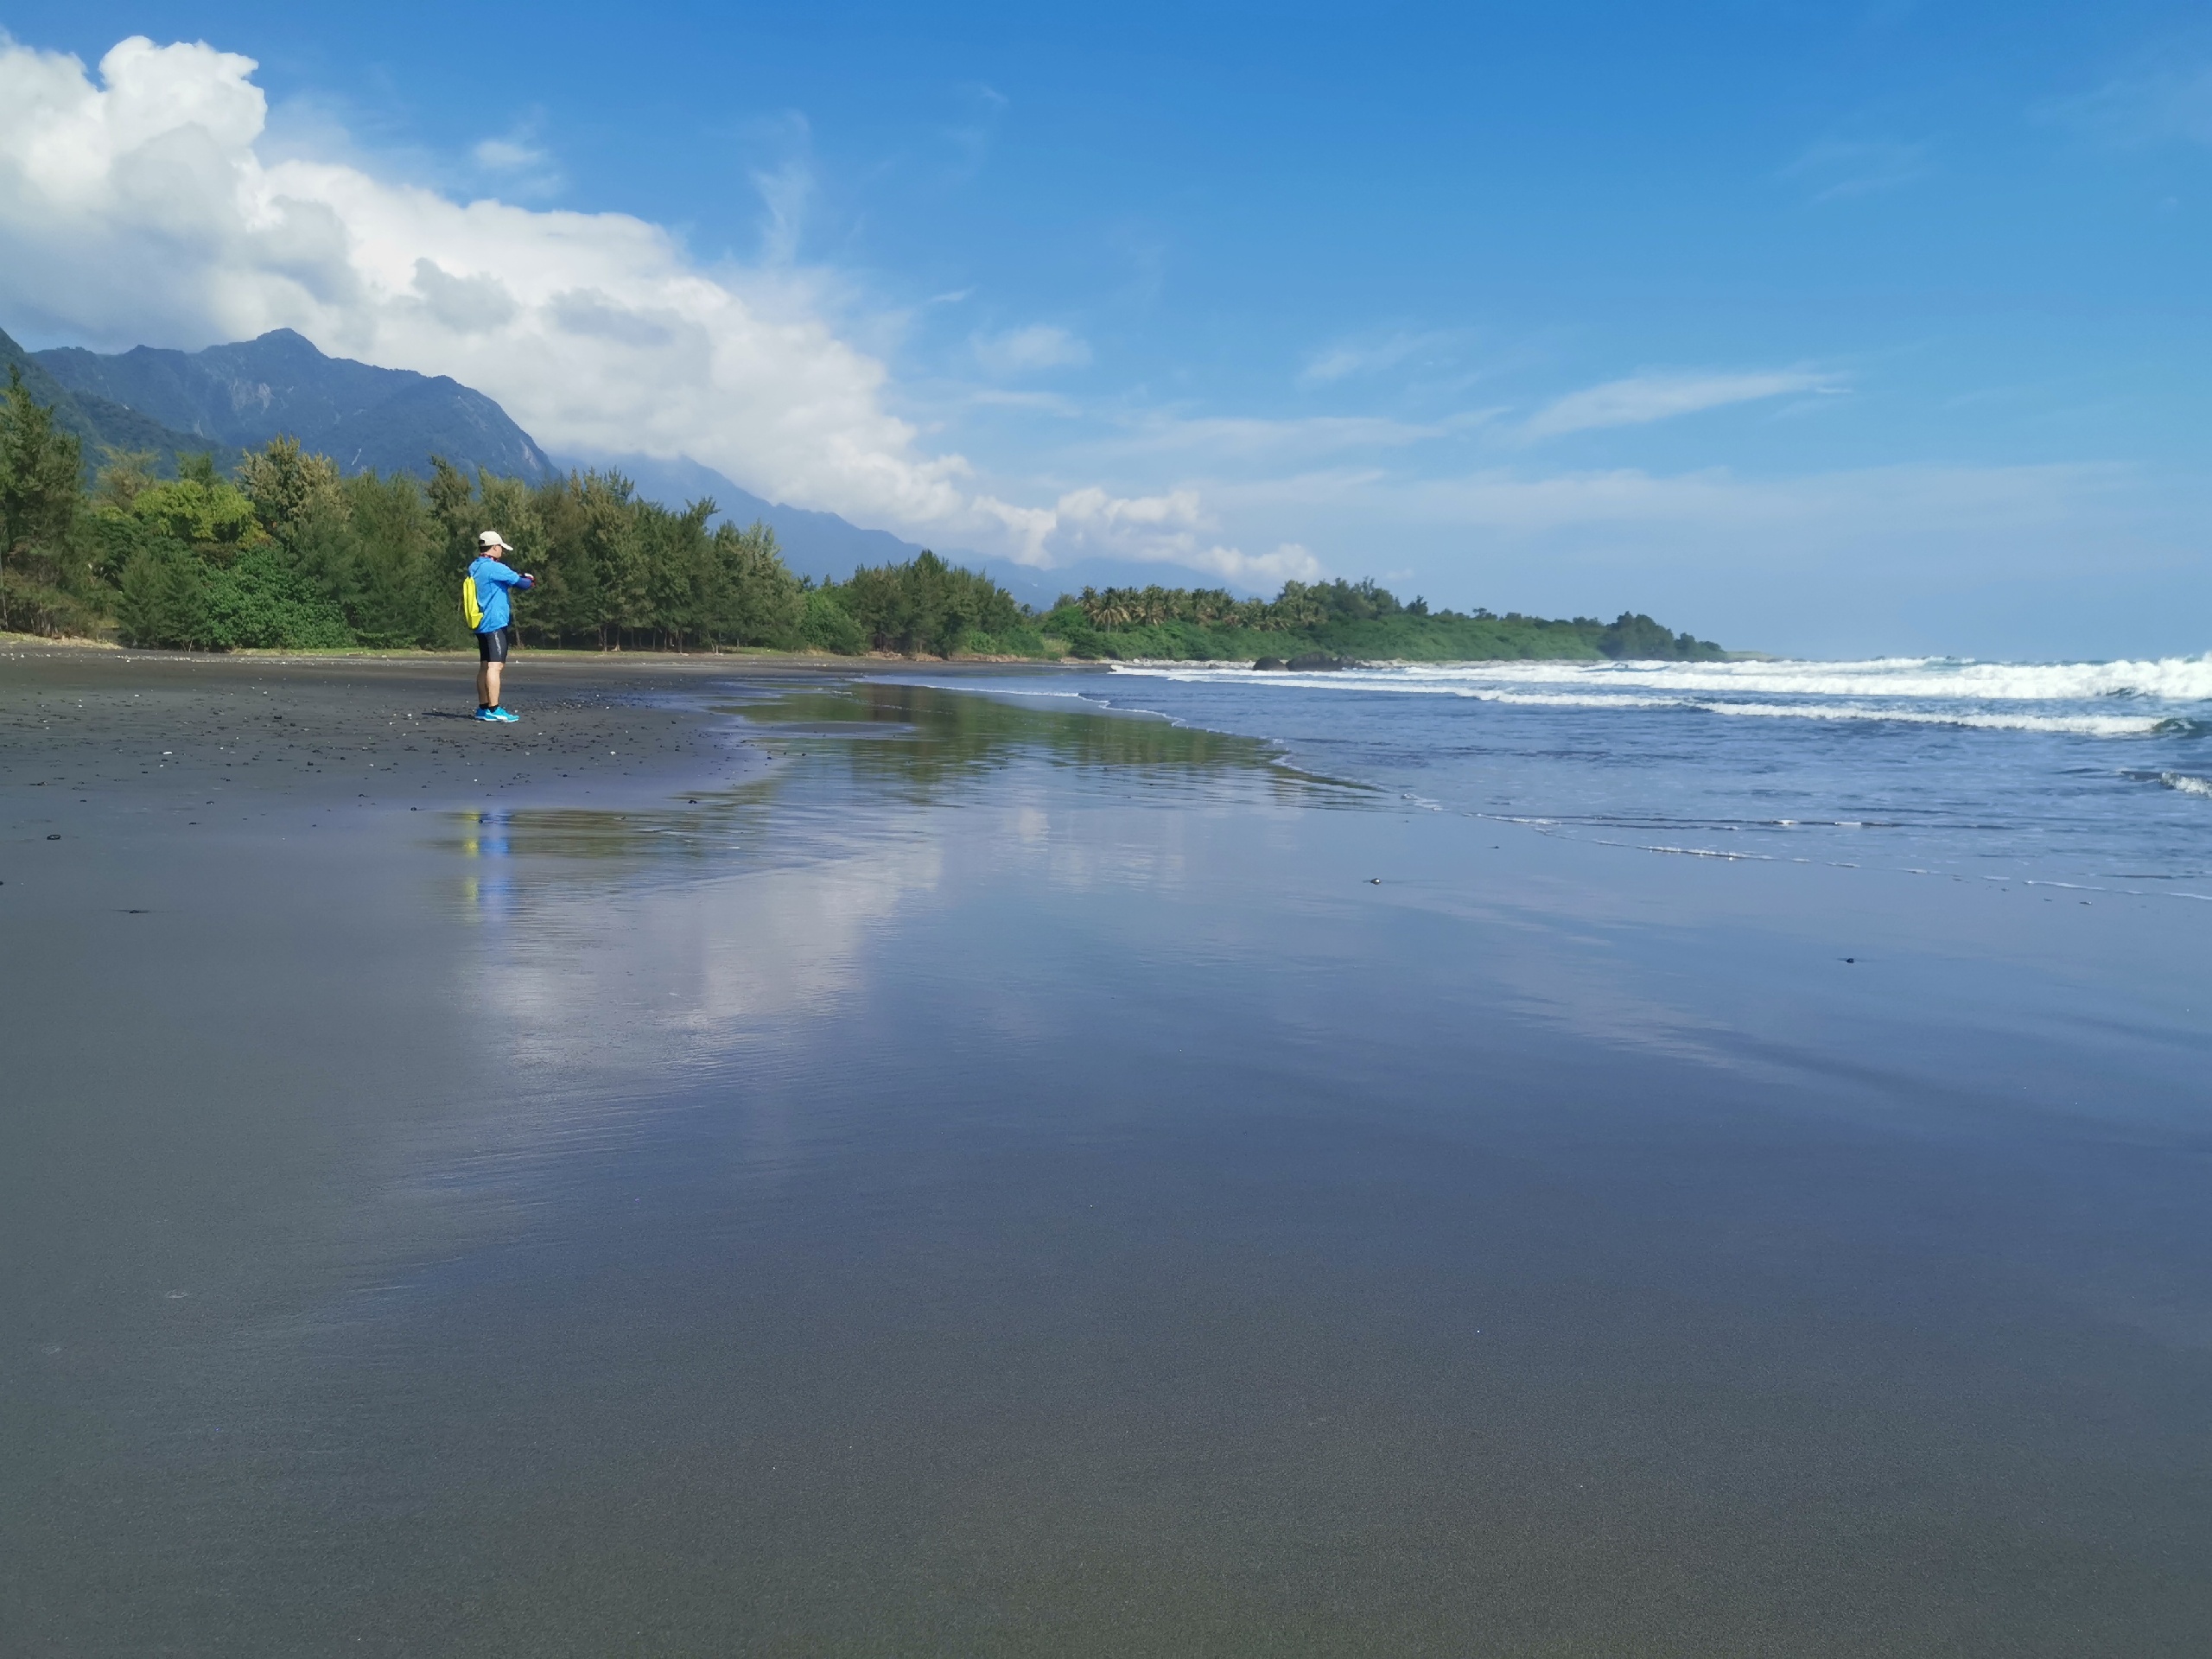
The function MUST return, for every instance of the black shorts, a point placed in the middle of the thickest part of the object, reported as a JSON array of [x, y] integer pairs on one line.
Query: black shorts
[[492, 645]]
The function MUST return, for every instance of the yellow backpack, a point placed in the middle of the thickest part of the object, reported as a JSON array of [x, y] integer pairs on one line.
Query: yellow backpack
[[471, 608]]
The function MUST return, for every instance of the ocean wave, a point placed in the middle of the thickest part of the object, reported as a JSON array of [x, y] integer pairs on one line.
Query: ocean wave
[[2185, 784], [2104, 700], [2174, 679], [2008, 721], [2081, 722], [2082, 725]]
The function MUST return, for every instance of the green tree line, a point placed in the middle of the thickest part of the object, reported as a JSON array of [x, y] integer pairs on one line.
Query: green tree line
[[1341, 618], [289, 552]]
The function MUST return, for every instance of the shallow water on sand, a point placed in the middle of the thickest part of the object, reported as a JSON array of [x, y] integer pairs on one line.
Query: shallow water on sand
[[1001, 1176]]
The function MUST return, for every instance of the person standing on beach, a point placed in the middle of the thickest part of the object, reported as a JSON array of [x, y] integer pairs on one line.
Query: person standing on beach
[[495, 629]]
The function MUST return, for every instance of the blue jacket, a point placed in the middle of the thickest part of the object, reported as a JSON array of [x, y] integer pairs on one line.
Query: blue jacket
[[492, 579]]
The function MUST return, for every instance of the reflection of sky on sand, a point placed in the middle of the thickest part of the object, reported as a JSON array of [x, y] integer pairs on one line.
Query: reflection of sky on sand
[[593, 974], [723, 937], [903, 833]]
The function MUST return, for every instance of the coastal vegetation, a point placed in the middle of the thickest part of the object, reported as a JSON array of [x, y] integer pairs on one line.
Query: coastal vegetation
[[286, 551], [1340, 618]]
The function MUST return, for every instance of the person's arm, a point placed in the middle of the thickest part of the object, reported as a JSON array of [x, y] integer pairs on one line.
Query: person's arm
[[504, 577]]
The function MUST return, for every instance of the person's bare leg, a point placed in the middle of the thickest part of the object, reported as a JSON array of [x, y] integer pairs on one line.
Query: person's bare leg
[[491, 678], [486, 688]]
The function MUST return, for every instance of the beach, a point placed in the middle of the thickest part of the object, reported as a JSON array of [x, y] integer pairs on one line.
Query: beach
[[793, 1159]]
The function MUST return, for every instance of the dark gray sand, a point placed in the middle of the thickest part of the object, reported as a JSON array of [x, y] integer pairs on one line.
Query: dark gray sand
[[139, 731], [891, 1172]]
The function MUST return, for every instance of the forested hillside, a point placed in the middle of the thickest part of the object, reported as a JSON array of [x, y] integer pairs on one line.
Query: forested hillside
[[239, 396], [1338, 618], [290, 551], [97, 423]]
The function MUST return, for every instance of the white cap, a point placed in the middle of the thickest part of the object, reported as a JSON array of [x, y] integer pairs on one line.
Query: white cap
[[490, 539]]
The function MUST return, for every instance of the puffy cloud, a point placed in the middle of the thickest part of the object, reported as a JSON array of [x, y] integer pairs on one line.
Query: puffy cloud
[[1660, 397], [1092, 509], [1172, 529], [137, 208], [1288, 562], [140, 205]]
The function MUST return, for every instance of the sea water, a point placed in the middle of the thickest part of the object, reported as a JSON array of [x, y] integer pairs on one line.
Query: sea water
[[2093, 774]]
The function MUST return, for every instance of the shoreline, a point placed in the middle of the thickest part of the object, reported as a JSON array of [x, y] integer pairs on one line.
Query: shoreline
[[748, 658]]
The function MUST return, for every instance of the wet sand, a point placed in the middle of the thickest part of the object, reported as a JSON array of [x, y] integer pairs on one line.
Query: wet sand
[[742, 1164], [145, 731]]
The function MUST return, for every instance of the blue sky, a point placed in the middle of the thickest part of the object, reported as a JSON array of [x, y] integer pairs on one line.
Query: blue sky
[[1832, 329]]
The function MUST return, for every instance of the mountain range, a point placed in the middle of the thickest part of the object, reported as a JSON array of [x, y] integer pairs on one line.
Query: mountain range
[[97, 423], [229, 399], [240, 396]]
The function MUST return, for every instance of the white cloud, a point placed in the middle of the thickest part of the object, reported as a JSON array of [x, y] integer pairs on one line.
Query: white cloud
[[1047, 403], [467, 305], [522, 166], [1347, 358], [1860, 505], [1839, 168], [137, 207], [1839, 508], [1250, 439], [1170, 529], [1658, 397], [970, 140], [1178, 510], [1289, 562], [1024, 351], [785, 189], [507, 155]]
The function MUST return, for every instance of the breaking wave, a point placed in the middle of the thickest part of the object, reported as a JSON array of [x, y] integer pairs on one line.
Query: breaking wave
[[2167, 698]]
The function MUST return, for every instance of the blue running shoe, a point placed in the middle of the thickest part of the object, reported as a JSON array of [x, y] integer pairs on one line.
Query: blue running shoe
[[505, 713], [487, 714]]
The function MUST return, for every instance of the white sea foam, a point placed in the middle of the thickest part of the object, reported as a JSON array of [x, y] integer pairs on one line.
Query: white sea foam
[[2112, 700], [2087, 725], [2186, 679], [2187, 785]]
